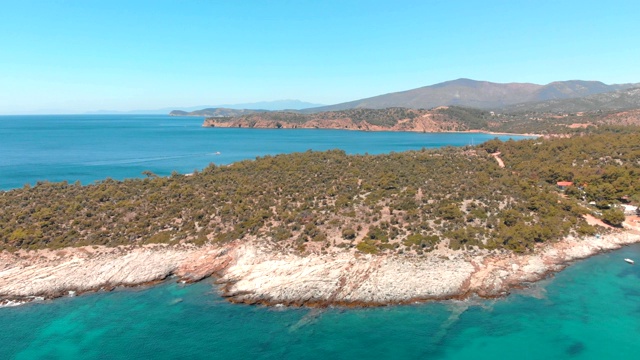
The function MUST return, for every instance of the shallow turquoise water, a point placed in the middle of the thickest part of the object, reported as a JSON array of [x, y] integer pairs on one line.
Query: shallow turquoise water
[[589, 311]]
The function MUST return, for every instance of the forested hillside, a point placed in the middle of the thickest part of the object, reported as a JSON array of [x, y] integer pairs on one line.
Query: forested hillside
[[451, 118], [309, 202]]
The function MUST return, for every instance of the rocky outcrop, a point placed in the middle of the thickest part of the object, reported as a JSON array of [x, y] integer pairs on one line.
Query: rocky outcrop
[[50, 274], [253, 273], [260, 277]]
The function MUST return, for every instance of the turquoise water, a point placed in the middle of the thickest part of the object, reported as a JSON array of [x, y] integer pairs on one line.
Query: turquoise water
[[94, 147], [589, 311]]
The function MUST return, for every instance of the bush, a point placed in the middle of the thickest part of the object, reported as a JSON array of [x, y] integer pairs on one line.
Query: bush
[[349, 233], [367, 248], [613, 217]]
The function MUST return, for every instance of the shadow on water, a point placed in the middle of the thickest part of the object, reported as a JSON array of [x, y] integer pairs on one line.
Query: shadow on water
[[454, 316], [575, 349], [629, 271], [310, 318]]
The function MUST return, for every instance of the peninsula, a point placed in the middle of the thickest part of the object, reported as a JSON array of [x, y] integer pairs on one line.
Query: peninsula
[[324, 228], [440, 119]]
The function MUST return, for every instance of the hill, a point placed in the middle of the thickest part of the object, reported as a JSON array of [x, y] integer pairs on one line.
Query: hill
[[478, 94], [444, 118], [389, 119], [608, 101], [384, 203]]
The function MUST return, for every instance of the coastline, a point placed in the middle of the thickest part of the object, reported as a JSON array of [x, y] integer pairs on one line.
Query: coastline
[[395, 130], [425, 126], [252, 273]]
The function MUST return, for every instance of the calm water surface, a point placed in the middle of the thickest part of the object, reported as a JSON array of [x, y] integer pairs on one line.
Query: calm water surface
[[589, 311], [94, 147]]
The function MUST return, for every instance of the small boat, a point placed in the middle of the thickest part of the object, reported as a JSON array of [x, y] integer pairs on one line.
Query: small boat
[[629, 261]]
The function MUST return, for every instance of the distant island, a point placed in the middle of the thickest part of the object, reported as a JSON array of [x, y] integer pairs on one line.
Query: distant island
[[327, 228]]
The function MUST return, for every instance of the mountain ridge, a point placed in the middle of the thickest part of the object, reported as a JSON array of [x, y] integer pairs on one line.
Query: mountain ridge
[[608, 101], [478, 94]]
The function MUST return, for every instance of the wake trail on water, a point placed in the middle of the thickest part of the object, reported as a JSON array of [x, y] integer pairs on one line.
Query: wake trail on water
[[146, 159]]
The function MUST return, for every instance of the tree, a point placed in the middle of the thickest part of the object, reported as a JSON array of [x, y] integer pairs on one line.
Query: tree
[[613, 217], [149, 174]]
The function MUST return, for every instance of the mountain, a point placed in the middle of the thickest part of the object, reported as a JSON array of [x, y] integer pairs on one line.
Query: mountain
[[478, 94], [271, 105], [162, 111], [609, 101], [215, 112]]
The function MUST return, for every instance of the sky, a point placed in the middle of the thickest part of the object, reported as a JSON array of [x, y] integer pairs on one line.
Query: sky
[[61, 56]]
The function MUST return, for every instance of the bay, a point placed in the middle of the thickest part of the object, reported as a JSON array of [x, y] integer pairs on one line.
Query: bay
[[93, 147]]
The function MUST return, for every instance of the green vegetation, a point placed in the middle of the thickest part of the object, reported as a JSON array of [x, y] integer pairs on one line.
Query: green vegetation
[[381, 117], [604, 166], [451, 118], [533, 122], [401, 202], [470, 118]]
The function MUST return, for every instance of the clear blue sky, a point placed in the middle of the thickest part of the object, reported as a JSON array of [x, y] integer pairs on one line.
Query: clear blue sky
[[74, 56]]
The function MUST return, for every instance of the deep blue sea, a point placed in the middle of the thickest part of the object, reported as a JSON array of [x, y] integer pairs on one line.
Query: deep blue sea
[[589, 311]]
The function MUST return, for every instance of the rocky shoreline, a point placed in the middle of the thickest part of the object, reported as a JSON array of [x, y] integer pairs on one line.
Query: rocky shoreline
[[253, 273]]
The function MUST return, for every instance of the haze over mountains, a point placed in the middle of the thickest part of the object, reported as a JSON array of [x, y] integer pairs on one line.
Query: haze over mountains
[[263, 105], [479, 94], [271, 105]]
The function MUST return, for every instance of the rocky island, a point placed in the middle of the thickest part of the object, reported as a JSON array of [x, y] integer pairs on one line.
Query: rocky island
[[326, 228]]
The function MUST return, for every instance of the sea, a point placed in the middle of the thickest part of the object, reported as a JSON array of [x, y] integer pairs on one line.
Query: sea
[[591, 310]]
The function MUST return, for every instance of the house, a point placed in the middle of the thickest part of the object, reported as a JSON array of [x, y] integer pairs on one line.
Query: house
[[562, 185]]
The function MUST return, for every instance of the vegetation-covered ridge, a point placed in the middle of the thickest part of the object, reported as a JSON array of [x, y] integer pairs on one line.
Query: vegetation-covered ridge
[[316, 201], [452, 118], [354, 119]]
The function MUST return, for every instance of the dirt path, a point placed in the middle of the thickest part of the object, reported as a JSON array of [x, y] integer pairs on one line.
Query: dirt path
[[592, 220], [498, 159]]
